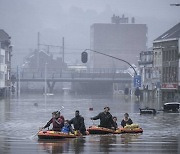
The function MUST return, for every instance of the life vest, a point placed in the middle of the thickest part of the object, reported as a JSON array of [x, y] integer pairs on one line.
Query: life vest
[[65, 129]]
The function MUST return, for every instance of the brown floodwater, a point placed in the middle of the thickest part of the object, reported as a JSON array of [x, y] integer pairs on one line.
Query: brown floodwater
[[20, 119]]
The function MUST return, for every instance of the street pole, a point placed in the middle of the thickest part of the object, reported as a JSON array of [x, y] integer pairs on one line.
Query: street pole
[[63, 51], [113, 58], [38, 48]]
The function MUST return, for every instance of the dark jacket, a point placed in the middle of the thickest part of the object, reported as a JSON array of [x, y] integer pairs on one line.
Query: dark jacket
[[106, 120], [123, 122], [115, 125], [58, 123], [78, 123]]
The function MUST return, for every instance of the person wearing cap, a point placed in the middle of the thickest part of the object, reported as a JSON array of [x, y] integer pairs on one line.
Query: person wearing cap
[[57, 121], [126, 120], [106, 119], [78, 123]]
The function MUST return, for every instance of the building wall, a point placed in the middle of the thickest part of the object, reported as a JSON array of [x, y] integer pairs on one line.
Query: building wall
[[170, 68], [6, 48], [123, 41], [3, 68]]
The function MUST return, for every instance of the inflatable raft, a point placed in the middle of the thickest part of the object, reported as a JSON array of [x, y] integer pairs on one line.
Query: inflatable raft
[[125, 130], [54, 135], [133, 128], [99, 130]]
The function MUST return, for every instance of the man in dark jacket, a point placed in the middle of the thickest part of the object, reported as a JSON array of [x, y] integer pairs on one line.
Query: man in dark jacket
[[78, 123], [106, 119]]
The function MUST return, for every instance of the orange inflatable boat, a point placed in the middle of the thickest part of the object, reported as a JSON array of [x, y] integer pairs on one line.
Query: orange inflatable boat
[[99, 130], [127, 130], [54, 135]]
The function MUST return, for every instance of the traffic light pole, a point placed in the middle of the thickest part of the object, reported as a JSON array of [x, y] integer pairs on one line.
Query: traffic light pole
[[113, 58]]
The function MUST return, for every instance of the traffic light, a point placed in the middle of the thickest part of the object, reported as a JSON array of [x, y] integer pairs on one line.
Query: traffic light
[[84, 57]]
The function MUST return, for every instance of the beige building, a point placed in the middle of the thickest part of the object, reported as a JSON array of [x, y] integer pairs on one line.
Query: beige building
[[119, 39], [167, 46]]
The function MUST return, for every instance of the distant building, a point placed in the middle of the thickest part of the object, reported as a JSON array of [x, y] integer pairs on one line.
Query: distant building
[[167, 54], [5, 63], [120, 39], [38, 60]]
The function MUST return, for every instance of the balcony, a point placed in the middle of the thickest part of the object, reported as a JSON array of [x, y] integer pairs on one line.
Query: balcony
[[145, 62]]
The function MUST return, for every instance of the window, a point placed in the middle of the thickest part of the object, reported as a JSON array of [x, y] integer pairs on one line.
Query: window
[[1, 59], [1, 75]]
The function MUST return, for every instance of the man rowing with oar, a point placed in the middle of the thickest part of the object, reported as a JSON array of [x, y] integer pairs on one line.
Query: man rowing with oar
[[57, 120]]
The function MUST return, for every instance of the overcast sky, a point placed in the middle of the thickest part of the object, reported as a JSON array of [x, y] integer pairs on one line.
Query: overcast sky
[[71, 19]]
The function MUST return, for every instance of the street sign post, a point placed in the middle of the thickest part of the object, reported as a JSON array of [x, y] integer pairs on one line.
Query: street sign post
[[137, 81]]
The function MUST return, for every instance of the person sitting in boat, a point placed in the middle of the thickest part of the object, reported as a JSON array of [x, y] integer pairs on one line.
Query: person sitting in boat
[[78, 123], [67, 128], [126, 120], [106, 119], [57, 120], [115, 123]]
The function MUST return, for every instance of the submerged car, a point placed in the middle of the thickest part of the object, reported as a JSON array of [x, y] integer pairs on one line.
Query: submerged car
[[171, 107]]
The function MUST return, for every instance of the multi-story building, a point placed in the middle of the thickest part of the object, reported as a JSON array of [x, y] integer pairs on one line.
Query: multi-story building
[[5, 63], [120, 39], [146, 72], [167, 49]]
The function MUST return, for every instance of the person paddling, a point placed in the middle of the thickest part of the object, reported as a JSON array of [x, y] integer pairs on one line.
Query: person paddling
[[106, 119], [57, 120], [126, 120]]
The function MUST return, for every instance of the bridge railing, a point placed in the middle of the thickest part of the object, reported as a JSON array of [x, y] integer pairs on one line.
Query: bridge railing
[[34, 74]]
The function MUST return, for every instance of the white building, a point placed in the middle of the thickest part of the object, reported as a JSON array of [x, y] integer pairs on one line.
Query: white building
[[5, 63], [3, 69]]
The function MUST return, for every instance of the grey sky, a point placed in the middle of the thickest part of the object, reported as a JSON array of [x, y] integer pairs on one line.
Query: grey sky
[[22, 19]]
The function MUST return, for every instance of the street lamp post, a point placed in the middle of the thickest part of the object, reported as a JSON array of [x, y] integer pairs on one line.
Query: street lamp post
[[45, 79], [136, 78], [45, 84], [84, 53]]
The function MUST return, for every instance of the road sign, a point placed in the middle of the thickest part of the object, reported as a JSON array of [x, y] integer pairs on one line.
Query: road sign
[[137, 81]]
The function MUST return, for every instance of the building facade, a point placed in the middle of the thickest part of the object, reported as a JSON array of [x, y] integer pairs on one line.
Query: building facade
[[167, 46], [146, 71], [5, 63], [120, 39]]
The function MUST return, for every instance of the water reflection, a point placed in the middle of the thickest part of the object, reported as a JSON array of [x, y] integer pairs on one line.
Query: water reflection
[[62, 146], [4, 110], [129, 138], [54, 146], [106, 143]]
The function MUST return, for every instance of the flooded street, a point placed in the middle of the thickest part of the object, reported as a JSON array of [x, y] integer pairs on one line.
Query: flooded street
[[20, 119]]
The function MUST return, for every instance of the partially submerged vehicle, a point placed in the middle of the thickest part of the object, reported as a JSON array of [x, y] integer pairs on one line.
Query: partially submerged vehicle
[[171, 107], [147, 111]]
